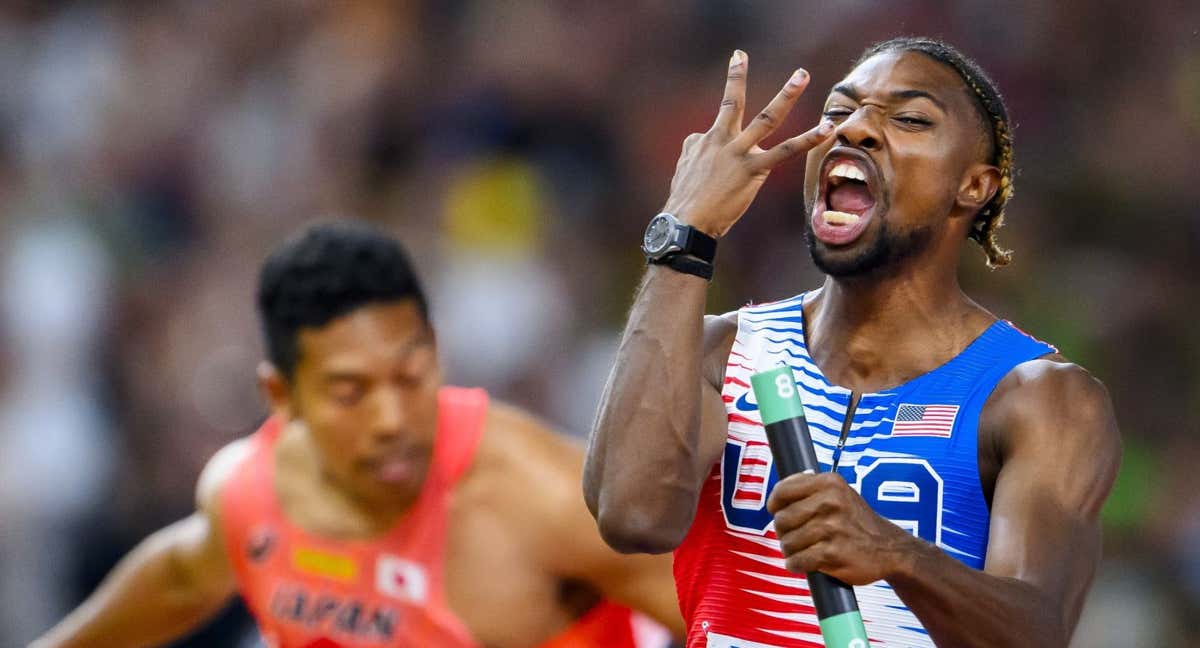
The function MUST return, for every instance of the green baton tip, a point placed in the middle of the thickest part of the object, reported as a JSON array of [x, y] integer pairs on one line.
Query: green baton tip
[[777, 396]]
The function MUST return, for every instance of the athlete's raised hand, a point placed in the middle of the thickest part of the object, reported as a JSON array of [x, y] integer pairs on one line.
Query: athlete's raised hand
[[720, 171]]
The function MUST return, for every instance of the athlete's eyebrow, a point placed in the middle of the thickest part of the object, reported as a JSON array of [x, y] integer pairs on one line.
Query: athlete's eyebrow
[[895, 95], [343, 375], [422, 339], [918, 94], [846, 89]]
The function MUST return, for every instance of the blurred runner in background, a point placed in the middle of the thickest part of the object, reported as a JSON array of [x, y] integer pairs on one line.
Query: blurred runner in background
[[377, 506]]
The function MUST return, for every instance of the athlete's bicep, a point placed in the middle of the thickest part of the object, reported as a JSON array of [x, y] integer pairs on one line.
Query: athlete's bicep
[[1061, 457]]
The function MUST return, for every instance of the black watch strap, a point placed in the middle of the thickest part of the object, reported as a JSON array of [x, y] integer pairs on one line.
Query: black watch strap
[[688, 265], [701, 245]]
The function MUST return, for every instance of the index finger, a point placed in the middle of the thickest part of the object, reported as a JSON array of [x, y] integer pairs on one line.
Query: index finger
[[793, 146], [733, 103], [793, 488], [773, 115]]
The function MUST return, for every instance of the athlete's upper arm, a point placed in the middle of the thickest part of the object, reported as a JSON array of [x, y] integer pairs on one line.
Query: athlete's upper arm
[[568, 540], [1060, 451], [719, 334], [198, 543]]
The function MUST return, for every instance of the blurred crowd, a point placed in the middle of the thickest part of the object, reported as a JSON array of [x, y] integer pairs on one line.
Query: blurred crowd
[[152, 152]]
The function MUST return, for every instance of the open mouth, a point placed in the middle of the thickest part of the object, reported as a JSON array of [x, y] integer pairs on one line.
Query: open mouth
[[395, 467], [847, 198]]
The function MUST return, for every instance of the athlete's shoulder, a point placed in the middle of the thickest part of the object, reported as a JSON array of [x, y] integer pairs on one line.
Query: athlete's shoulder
[[524, 452], [463, 397], [218, 472], [719, 326], [1050, 378], [523, 471], [721, 331], [514, 439], [1051, 400]]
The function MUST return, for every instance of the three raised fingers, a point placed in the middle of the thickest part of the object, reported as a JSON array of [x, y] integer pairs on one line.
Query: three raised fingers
[[733, 104]]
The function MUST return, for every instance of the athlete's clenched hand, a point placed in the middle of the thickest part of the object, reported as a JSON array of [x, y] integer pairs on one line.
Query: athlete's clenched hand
[[824, 525], [720, 171]]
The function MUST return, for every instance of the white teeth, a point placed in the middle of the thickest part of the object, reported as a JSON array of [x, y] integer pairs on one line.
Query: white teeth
[[847, 170], [840, 218]]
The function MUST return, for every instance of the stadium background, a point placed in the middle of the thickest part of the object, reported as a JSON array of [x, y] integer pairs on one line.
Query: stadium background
[[151, 152]]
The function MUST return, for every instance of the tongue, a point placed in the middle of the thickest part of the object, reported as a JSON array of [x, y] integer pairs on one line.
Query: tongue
[[851, 197]]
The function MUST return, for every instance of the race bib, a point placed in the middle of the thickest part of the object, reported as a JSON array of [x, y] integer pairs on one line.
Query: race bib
[[721, 641]]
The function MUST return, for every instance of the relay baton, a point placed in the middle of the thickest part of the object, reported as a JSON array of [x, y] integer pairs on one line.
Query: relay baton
[[791, 446]]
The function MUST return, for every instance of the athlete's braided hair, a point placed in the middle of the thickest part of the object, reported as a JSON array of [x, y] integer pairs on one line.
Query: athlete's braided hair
[[993, 112]]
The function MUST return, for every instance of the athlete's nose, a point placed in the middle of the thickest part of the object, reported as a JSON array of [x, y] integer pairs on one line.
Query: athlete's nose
[[391, 415], [860, 129]]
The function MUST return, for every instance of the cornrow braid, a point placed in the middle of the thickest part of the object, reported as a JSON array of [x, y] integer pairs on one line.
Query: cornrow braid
[[993, 112]]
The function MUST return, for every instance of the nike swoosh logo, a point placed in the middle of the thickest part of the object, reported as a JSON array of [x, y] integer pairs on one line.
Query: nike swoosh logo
[[744, 405]]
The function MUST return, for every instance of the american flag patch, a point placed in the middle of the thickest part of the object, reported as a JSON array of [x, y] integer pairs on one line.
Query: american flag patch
[[924, 420]]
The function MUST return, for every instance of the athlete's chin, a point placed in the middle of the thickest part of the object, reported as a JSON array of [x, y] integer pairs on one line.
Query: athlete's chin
[[857, 258]]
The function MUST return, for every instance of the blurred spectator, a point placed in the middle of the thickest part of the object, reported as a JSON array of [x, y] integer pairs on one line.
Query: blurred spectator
[[55, 450]]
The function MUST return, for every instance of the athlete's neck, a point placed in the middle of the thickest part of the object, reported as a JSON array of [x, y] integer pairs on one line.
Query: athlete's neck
[[872, 333], [372, 515], [315, 501]]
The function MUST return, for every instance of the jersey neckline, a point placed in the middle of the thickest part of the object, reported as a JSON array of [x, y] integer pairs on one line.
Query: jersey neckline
[[979, 340], [393, 532]]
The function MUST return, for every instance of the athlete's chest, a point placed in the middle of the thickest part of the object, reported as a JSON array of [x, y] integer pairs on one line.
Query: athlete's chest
[[304, 587], [890, 447], [459, 558], [315, 569], [910, 451]]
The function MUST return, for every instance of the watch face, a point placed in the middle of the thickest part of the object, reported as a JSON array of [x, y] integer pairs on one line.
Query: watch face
[[658, 235]]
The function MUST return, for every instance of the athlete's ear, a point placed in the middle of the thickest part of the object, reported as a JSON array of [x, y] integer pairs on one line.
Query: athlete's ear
[[274, 387], [979, 184]]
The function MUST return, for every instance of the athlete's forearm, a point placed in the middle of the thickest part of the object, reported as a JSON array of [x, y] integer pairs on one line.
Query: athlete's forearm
[[150, 598], [960, 606], [650, 450], [643, 471]]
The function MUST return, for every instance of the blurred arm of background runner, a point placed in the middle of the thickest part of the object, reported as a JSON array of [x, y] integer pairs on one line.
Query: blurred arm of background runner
[[168, 585], [542, 471]]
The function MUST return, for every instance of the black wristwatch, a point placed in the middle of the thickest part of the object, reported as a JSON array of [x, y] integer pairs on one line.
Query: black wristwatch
[[681, 247]]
